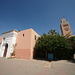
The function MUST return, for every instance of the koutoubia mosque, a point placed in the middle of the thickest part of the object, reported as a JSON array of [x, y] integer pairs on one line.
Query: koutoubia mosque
[[23, 42], [65, 28]]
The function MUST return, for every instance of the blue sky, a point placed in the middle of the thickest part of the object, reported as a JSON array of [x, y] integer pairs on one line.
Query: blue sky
[[41, 15]]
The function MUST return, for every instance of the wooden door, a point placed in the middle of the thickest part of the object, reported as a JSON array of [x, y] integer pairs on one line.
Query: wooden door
[[5, 52]]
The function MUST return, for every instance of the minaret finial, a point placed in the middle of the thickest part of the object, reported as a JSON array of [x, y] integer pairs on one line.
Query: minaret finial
[[63, 17]]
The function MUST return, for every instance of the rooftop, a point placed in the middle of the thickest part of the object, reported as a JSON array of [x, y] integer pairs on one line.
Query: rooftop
[[10, 31]]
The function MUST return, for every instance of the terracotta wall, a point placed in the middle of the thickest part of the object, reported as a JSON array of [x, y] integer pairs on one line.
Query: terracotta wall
[[22, 53], [33, 41], [23, 44], [23, 39]]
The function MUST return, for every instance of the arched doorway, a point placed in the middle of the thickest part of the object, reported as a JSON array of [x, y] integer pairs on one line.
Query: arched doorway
[[5, 52]]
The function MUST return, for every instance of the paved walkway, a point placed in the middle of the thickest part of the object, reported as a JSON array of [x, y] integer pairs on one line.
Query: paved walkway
[[35, 67]]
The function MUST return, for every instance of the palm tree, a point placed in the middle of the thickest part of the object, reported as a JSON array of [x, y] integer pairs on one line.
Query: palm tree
[[52, 32]]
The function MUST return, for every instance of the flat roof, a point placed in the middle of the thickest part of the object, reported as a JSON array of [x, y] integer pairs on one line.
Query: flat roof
[[10, 31]]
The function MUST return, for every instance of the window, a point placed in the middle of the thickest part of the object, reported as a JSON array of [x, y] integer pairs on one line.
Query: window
[[23, 35], [35, 37], [4, 38]]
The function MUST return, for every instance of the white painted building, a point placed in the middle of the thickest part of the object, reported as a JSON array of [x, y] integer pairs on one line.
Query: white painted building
[[18, 44], [8, 43]]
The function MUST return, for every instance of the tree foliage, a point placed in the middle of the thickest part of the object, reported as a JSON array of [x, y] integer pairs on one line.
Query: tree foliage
[[51, 42], [71, 40]]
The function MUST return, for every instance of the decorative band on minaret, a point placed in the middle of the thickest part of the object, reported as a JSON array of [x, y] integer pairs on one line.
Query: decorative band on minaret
[[65, 28]]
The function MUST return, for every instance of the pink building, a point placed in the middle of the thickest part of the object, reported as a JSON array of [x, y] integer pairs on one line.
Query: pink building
[[22, 43]]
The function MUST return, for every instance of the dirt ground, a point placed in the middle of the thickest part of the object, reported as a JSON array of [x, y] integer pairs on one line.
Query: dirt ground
[[36, 67]]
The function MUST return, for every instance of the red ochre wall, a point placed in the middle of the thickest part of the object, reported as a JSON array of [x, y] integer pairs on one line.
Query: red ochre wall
[[33, 41], [25, 44], [22, 53]]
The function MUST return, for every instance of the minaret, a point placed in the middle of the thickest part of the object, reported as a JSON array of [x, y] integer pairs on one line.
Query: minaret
[[65, 28]]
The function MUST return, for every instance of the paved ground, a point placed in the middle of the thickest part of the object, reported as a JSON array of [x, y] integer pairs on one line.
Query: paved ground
[[35, 67]]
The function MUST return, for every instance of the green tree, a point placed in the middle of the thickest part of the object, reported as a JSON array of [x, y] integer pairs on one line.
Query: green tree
[[71, 40], [51, 43]]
